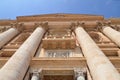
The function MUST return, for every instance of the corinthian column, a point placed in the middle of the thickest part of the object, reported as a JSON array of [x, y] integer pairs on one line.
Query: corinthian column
[[17, 65], [7, 36], [112, 34], [100, 66]]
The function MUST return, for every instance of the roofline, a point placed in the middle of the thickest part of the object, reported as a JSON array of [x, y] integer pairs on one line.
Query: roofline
[[58, 14]]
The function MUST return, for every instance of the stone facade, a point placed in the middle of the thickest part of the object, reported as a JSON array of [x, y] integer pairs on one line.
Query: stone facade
[[60, 47]]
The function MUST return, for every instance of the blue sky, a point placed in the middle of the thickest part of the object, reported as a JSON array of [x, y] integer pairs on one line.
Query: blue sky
[[9, 9]]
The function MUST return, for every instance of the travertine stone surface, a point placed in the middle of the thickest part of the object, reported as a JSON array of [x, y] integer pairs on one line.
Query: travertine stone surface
[[17, 65], [112, 34], [100, 66], [7, 36]]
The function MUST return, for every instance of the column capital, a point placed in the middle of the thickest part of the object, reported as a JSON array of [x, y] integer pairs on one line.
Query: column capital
[[44, 25], [2, 29], [80, 72], [18, 26], [36, 73], [107, 23], [103, 24], [74, 25], [117, 27]]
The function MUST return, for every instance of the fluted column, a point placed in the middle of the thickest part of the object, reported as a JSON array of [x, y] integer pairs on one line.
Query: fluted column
[[100, 66], [112, 34], [7, 36], [17, 65]]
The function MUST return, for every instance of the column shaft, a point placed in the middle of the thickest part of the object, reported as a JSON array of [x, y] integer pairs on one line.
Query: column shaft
[[100, 66], [7, 36], [80, 78], [112, 34], [17, 65], [35, 77]]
